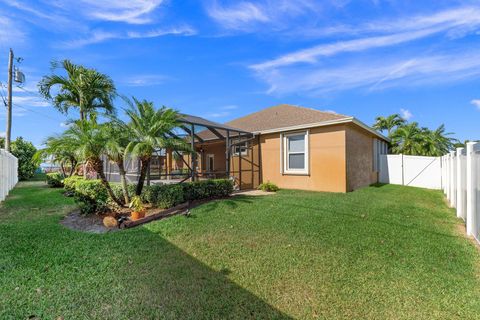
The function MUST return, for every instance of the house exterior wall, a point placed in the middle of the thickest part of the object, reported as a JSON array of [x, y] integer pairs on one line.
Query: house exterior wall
[[359, 150], [247, 168], [327, 161]]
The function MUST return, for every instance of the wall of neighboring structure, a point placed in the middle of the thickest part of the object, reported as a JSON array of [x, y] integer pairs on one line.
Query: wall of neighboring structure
[[359, 158], [327, 158]]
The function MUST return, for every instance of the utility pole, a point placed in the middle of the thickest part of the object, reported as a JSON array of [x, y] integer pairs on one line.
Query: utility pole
[[8, 134]]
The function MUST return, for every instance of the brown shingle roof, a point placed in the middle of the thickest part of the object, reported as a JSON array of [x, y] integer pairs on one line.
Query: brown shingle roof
[[275, 117], [282, 116]]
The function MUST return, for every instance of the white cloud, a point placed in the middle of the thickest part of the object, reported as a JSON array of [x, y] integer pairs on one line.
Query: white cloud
[[145, 80], [221, 114], [375, 73], [312, 54], [476, 103], [2, 134], [455, 22], [65, 125], [317, 69], [30, 101], [229, 107], [98, 36], [255, 15], [10, 31], [406, 114], [131, 11], [237, 16]]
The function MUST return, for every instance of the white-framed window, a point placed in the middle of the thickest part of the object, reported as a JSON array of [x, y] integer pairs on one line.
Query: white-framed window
[[240, 149], [295, 153]]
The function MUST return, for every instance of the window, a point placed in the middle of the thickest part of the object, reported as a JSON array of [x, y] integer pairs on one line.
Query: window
[[295, 153], [241, 148], [210, 162]]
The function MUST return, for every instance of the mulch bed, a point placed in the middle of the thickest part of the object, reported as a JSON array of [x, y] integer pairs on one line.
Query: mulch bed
[[94, 223]]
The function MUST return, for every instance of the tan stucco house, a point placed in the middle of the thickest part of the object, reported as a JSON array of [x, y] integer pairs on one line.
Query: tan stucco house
[[291, 146], [296, 148]]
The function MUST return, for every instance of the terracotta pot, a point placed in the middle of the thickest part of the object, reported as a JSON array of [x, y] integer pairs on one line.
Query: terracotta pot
[[137, 215]]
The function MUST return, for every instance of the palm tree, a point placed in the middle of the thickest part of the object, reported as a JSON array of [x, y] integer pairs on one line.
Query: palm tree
[[437, 142], [84, 89], [118, 141], [90, 141], [407, 139], [60, 151], [388, 123], [148, 130]]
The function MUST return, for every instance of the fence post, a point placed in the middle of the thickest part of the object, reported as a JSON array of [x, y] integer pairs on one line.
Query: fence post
[[460, 183], [471, 196], [453, 179]]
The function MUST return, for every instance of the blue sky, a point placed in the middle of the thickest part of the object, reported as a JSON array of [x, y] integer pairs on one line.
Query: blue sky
[[223, 59]]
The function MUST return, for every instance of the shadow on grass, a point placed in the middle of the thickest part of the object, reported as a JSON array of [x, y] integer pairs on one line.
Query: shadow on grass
[[166, 282]]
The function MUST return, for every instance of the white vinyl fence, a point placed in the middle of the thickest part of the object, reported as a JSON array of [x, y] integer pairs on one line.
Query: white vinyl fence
[[461, 172], [8, 173], [414, 171]]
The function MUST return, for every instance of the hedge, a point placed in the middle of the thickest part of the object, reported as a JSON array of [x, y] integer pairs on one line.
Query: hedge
[[169, 195], [54, 179], [92, 196]]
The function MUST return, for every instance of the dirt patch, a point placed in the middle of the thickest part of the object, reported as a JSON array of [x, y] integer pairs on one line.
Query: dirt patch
[[86, 223]]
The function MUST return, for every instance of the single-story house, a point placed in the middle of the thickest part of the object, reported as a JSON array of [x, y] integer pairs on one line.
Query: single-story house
[[291, 146]]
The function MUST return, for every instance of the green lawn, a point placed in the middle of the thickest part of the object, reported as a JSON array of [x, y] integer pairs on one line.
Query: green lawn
[[382, 253]]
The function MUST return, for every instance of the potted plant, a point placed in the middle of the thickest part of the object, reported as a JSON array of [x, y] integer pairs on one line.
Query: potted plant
[[138, 209]]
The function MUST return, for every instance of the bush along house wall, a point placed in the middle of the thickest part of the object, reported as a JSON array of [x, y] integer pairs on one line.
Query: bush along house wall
[[92, 197]]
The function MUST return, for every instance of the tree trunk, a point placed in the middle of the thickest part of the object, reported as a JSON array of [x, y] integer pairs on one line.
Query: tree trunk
[[62, 167], [98, 166], [73, 164], [143, 173], [123, 180]]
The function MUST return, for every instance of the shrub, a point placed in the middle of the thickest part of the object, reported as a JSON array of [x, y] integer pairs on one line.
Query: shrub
[[167, 196], [91, 196], [25, 151], [268, 187], [118, 191], [70, 182], [54, 179]]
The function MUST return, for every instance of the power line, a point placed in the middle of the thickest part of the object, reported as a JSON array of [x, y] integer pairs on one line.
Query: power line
[[39, 113], [28, 91]]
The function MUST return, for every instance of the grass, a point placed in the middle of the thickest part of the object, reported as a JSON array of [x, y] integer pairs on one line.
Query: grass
[[386, 252]]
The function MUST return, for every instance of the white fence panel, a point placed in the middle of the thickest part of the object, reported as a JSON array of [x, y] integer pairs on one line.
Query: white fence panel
[[415, 171], [391, 169], [8, 173]]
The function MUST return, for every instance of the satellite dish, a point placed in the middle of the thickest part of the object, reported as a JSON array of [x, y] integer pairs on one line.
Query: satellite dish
[[19, 76]]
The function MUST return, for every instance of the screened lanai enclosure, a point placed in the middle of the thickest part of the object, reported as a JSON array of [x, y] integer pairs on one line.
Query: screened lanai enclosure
[[220, 151]]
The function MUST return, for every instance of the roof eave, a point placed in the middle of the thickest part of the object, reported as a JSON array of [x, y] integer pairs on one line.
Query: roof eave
[[323, 124]]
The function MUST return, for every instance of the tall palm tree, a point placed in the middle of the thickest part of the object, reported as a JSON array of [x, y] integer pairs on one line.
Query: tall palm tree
[[90, 141], [388, 123], [84, 89], [149, 130], [407, 139], [118, 141], [60, 151]]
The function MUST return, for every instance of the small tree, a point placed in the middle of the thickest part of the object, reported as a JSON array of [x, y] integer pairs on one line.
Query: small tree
[[90, 140], [118, 141], [148, 130], [59, 150], [25, 153]]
